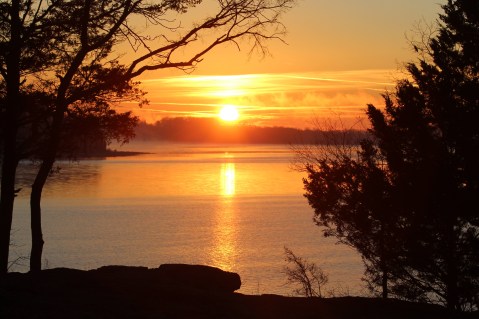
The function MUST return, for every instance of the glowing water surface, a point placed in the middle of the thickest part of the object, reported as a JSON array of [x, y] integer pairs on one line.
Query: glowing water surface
[[234, 207]]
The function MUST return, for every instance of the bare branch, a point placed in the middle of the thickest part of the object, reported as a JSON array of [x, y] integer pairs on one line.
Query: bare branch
[[257, 20], [307, 275]]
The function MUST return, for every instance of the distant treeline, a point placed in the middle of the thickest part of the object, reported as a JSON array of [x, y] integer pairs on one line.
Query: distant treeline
[[207, 130]]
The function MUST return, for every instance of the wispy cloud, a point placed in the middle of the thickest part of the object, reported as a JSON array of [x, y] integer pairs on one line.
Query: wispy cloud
[[271, 99]]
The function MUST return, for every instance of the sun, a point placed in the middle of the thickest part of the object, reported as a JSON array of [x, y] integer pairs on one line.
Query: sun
[[229, 113]]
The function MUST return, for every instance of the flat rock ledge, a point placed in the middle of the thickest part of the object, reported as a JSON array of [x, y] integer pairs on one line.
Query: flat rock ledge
[[202, 278], [205, 278]]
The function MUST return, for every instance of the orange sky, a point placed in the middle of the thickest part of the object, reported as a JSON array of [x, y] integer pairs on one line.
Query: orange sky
[[340, 56]]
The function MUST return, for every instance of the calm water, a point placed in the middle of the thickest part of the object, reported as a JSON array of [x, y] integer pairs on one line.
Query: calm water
[[234, 207]]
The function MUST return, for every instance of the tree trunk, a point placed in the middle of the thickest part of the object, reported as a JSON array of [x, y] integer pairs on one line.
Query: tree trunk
[[384, 272], [10, 122], [36, 216], [9, 166], [384, 284], [50, 154], [383, 259], [36, 195], [452, 275]]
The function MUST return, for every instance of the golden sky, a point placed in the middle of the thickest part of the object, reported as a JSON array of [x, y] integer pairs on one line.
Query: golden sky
[[340, 55]]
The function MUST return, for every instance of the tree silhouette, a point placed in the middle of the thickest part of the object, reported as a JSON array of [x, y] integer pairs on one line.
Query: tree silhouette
[[428, 139], [349, 192], [81, 41], [25, 45], [307, 276], [429, 135], [88, 129]]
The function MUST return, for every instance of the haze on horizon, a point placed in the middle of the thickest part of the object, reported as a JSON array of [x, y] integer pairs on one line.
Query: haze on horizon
[[339, 57]]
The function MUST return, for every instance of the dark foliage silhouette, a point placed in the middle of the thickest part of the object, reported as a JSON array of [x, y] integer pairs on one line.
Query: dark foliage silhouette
[[349, 192], [408, 202]]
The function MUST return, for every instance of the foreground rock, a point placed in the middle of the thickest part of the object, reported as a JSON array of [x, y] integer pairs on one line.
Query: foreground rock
[[200, 277], [177, 291]]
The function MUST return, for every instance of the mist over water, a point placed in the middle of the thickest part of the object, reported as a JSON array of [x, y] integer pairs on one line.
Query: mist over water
[[233, 207]]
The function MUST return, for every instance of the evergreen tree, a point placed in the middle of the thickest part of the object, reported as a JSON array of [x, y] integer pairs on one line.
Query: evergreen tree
[[350, 198], [428, 137]]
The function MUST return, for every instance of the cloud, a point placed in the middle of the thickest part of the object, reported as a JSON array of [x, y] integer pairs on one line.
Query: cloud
[[272, 99]]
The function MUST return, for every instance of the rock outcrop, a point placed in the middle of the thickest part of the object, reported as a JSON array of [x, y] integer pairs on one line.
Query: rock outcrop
[[179, 292], [200, 277]]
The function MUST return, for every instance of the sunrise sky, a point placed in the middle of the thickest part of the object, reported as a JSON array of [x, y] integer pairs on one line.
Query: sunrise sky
[[340, 55]]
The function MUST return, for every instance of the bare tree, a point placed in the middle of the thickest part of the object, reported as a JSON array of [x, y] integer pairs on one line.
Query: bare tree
[[25, 43], [307, 275], [86, 46]]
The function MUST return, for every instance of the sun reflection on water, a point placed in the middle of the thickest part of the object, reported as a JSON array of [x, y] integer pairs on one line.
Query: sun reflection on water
[[228, 179], [224, 250]]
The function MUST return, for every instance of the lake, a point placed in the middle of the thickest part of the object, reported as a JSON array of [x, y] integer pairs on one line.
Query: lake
[[233, 207]]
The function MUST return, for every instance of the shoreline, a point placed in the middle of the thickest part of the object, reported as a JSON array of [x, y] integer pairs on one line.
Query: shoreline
[[105, 154], [180, 291]]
